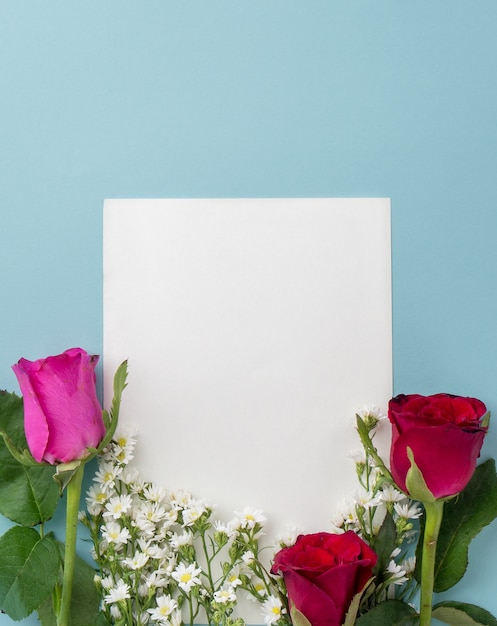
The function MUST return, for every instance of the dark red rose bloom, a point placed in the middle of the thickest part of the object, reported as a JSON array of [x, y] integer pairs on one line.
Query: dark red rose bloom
[[445, 434], [323, 572]]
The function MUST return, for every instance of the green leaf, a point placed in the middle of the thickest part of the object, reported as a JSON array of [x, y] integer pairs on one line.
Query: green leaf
[[100, 620], [384, 545], [28, 494], [462, 614], [112, 419], [29, 568], [391, 612], [12, 427], [298, 618], [464, 517], [85, 602]]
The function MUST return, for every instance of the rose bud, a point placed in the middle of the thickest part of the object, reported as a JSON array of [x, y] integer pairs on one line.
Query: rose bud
[[444, 434], [322, 574], [62, 414]]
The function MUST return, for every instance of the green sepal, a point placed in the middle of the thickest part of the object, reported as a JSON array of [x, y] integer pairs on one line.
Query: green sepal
[[28, 572], [462, 614], [415, 482], [298, 618], [353, 610], [64, 472], [391, 612], [485, 420]]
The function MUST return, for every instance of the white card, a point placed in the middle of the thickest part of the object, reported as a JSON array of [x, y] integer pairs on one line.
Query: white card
[[254, 330]]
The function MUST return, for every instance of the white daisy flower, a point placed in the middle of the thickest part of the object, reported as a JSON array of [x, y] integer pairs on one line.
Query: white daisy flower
[[389, 494], [272, 610], [233, 577], [290, 535], [115, 612], [113, 533], [106, 475], [185, 539], [180, 499], [358, 456], [117, 593], [397, 574], [195, 510], [152, 511], [227, 528], [408, 511], [248, 557], [137, 561], [118, 506], [249, 517], [156, 579], [187, 577], [366, 500], [154, 493], [225, 594], [259, 587], [96, 497], [165, 606], [107, 582]]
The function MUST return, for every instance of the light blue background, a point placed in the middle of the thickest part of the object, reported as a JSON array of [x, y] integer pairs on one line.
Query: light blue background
[[193, 98]]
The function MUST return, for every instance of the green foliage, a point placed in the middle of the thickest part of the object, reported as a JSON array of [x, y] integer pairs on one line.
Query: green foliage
[[461, 614], [12, 427], [30, 566], [28, 495], [111, 419], [384, 545], [391, 612], [85, 602], [464, 517]]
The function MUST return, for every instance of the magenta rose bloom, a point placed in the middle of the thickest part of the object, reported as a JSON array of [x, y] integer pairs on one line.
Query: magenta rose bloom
[[323, 572], [62, 415], [445, 434]]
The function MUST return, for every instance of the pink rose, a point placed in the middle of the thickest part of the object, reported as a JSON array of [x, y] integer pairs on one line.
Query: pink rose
[[445, 434], [62, 415], [323, 572]]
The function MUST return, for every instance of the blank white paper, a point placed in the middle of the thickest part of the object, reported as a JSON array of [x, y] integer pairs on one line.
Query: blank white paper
[[254, 330]]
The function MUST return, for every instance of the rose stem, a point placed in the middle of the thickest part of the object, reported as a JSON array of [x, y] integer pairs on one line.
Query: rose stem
[[72, 509], [434, 513]]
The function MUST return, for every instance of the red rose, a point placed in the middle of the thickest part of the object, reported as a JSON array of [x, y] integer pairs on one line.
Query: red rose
[[323, 572], [445, 434]]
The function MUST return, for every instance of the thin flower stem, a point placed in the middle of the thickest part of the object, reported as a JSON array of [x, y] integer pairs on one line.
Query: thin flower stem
[[434, 514], [72, 508]]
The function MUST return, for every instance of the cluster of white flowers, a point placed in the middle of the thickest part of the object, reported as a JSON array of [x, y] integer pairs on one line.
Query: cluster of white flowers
[[381, 515], [164, 560]]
